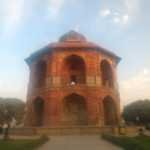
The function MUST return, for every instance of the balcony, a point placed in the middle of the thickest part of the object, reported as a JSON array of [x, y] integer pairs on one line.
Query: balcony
[[74, 85]]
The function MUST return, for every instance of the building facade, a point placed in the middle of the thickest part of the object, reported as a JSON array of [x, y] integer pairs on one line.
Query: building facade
[[73, 82]]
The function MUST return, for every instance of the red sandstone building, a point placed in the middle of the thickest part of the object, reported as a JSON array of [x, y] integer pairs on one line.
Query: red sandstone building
[[72, 82]]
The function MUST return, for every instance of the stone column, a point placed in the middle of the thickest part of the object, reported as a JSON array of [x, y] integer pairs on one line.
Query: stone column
[[93, 112]]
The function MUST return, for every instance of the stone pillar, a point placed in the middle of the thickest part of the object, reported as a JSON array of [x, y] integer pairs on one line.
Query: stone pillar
[[46, 114], [93, 112], [90, 81], [54, 109], [102, 112]]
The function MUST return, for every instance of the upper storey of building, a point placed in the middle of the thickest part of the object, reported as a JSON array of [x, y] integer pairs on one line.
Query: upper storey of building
[[71, 40]]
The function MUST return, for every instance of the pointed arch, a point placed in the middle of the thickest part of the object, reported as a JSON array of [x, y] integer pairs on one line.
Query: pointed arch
[[40, 73], [38, 105], [106, 73], [74, 69], [110, 111], [75, 110]]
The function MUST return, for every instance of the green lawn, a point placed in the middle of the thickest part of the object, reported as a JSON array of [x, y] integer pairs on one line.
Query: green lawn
[[21, 144], [130, 143]]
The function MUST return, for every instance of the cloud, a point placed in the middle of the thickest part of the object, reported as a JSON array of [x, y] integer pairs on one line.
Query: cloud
[[121, 19], [116, 17], [116, 20], [55, 7], [136, 87], [131, 10], [125, 19], [132, 6], [146, 71], [105, 12], [12, 14], [120, 13]]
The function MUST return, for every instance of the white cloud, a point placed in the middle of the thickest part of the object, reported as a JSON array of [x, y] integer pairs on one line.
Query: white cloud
[[146, 71], [116, 19], [121, 13], [131, 10], [12, 13], [132, 6], [122, 20], [55, 7], [105, 12], [125, 19], [136, 87]]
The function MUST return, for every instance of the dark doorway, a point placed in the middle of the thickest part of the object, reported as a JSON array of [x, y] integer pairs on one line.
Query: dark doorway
[[75, 112], [38, 110], [110, 112]]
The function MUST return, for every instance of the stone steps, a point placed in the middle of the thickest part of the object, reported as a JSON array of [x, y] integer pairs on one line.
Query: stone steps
[[77, 130]]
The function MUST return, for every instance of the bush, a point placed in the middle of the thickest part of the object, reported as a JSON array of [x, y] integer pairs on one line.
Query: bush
[[127, 143], [44, 137], [22, 144], [147, 126], [137, 112]]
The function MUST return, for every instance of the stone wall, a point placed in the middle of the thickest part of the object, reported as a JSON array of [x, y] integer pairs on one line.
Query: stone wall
[[54, 89]]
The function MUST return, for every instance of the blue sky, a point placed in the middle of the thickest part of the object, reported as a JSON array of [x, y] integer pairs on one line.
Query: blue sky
[[119, 25]]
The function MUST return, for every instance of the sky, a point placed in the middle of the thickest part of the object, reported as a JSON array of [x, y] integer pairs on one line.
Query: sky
[[122, 26]]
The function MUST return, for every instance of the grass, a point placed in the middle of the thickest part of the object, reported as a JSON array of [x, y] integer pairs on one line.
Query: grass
[[21, 144], [130, 143]]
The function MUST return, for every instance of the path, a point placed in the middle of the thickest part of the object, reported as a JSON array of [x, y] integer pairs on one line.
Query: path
[[92, 142]]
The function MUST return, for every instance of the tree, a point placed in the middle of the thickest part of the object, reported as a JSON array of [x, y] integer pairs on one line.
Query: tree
[[137, 112], [13, 108]]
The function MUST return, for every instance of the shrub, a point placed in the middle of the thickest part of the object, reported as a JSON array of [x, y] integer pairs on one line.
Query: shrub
[[126, 142]]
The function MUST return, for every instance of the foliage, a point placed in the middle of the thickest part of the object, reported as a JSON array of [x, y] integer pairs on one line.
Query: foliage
[[137, 112], [14, 108], [130, 143], [44, 137], [21, 144]]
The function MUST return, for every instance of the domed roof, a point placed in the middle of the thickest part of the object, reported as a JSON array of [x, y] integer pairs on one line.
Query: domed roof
[[72, 36], [71, 40]]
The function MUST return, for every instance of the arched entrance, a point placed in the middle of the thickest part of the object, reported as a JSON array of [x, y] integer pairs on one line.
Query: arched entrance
[[38, 111], [74, 107], [74, 70], [106, 73], [110, 111], [40, 74]]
